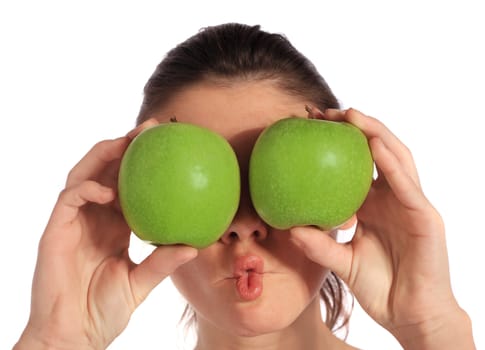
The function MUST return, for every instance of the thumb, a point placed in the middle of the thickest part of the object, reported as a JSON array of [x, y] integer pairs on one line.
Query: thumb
[[322, 248], [158, 265]]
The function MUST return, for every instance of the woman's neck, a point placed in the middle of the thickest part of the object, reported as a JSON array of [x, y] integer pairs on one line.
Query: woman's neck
[[308, 331]]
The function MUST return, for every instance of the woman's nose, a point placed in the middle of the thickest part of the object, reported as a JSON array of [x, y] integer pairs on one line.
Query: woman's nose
[[247, 225]]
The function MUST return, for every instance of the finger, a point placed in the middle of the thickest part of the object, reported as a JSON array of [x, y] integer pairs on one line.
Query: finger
[[96, 160], [321, 248], [399, 180], [103, 154], [314, 112], [71, 199], [372, 127], [145, 125], [158, 265], [333, 114]]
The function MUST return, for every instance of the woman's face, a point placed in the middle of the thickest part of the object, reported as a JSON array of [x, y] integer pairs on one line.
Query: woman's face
[[254, 280]]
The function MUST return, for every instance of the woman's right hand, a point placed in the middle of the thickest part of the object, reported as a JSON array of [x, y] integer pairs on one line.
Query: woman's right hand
[[85, 285]]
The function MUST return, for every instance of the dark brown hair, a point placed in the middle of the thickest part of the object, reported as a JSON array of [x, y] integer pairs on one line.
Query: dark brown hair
[[232, 52]]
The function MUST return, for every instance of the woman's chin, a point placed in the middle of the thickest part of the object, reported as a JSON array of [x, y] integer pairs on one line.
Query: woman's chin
[[251, 320], [254, 328]]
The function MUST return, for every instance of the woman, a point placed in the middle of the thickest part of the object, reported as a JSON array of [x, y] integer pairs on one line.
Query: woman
[[237, 80]]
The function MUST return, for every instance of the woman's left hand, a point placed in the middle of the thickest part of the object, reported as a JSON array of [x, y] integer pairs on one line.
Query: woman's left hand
[[396, 264]]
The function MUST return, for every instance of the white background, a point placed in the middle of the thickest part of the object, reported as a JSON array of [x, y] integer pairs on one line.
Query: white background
[[72, 73]]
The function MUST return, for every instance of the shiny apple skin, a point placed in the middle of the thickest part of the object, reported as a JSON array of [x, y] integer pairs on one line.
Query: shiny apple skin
[[309, 172], [179, 184]]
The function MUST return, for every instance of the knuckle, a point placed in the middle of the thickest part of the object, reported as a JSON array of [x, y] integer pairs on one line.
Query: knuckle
[[70, 192], [63, 194], [72, 176], [89, 186], [102, 148]]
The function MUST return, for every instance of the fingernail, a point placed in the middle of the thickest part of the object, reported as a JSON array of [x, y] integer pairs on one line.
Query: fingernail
[[146, 124], [314, 112]]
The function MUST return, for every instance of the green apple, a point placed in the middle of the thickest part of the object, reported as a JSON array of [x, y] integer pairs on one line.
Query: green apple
[[179, 184], [309, 172]]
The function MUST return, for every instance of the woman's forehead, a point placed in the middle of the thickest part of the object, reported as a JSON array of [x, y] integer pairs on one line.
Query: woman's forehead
[[232, 109]]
